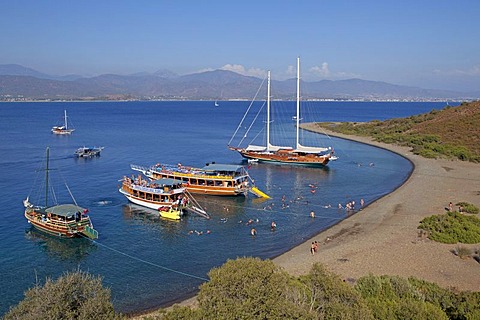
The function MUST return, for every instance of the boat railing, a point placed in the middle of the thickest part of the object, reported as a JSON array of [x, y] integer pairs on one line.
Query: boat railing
[[139, 168], [187, 172], [195, 175], [149, 189]]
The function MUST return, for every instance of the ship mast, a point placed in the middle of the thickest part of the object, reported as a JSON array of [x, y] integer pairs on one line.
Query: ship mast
[[268, 112], [46, 178], [298, 100], [65, 117]]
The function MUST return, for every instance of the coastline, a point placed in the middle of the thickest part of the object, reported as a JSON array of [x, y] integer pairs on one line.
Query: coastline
[[383, 239]]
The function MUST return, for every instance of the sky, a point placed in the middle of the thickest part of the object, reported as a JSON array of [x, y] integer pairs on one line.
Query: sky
[[432, 44]]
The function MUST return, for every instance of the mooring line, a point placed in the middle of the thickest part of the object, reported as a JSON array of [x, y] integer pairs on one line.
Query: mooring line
[[147, 262]]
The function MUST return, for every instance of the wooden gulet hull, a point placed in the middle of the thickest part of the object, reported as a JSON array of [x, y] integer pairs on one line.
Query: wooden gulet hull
[[67, 230], [62, 132], [222, 188], [286, 158]]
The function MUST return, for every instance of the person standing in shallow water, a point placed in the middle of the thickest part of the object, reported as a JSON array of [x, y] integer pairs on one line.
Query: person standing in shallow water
[[312, 214]]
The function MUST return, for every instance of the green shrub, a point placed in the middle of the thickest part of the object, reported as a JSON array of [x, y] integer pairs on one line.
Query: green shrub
[[452, 227], [392, 297], [426, 153], [331, 298], [468, 207], [75, 295], [248, 288]]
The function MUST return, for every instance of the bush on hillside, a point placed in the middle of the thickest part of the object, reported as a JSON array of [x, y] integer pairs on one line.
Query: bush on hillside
[[249, 288], [396, 298], [331, 298], [75, 295], [452, 227], [468, 207]]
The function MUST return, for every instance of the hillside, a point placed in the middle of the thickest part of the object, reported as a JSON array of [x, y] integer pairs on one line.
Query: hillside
[[453, 132], [19, 83]]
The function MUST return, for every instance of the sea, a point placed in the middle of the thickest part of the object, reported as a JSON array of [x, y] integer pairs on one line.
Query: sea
[[146, 261]]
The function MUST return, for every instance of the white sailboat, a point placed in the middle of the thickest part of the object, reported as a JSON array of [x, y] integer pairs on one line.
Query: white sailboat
[[299, 155], [64, 129]]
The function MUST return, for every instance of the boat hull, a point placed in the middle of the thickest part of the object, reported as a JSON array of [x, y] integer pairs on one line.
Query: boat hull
[[57, 229], [145, 203], [62, 132], [201, 184], [286, 158], [85, 152], [171, 214]]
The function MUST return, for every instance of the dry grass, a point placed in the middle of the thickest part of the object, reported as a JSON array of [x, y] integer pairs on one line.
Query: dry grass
[[453, 132]]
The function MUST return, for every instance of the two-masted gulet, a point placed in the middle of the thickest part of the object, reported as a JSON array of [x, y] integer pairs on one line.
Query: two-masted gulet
[[298, 155]]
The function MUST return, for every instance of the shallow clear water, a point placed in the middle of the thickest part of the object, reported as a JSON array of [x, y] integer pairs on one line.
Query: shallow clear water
[[147, 261]]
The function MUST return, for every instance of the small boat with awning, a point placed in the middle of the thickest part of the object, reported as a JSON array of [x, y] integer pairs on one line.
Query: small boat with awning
[[88, 152], [63, 220]]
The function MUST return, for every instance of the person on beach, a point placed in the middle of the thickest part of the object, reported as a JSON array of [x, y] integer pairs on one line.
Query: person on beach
[[312, 248], [315, 246]]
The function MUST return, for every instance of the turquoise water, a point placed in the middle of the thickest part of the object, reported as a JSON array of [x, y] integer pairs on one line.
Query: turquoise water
[[149, 262]]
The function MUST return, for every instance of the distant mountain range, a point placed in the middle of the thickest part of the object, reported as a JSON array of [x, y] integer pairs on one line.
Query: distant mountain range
[[18, 82]]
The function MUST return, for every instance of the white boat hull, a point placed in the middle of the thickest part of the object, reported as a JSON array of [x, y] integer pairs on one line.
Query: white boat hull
[[144, 203]]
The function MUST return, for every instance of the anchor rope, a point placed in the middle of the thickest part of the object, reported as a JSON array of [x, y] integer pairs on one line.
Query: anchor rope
[[147, 262]]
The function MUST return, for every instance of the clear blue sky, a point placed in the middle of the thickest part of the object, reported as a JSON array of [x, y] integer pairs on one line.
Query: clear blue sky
[[425, 43]]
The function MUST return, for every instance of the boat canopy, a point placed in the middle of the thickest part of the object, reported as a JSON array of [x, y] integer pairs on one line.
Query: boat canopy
[[301, 148], [217, 167], [167, 182], [65, 210]]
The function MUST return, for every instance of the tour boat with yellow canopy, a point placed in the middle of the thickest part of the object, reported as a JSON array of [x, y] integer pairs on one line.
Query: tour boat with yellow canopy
[[212, 179]]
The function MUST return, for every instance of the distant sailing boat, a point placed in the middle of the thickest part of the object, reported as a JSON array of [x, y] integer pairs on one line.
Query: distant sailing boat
[[300, 155], [63, 129], [62, 220]]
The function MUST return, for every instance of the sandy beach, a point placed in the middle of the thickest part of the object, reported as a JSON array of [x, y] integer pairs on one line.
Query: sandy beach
[[383, 239]]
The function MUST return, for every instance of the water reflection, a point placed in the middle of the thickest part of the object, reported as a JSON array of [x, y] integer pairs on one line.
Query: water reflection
[[74, 249]]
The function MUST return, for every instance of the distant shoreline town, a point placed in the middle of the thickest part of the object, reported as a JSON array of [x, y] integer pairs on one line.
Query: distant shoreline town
[[127, 99]]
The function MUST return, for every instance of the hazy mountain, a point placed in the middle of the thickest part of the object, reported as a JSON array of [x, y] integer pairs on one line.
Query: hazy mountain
[[16, 80], [18, 70]]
